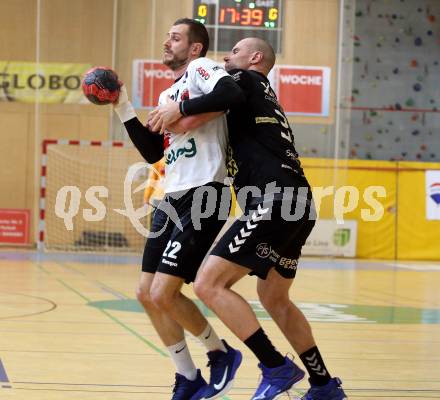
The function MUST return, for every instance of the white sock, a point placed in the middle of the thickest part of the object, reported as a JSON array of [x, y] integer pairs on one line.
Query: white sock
[[182, 359], [210, 340]]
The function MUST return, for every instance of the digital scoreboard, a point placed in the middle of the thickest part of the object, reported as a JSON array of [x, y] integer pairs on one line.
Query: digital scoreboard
[[229, 21]]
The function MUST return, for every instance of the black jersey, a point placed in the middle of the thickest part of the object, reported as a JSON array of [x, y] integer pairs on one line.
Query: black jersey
[[260, 137]]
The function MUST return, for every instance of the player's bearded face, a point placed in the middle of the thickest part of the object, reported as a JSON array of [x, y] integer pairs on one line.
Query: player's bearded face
[[176, 47]]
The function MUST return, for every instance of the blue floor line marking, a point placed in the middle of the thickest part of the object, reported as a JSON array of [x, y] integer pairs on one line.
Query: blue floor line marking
[[307, 263], [4, 377]]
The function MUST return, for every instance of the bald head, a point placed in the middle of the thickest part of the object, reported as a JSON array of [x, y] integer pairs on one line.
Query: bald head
[[251, 53], [259, 45]]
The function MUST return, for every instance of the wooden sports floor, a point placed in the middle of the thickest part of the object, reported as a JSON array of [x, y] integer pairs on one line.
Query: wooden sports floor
[[70, 328]]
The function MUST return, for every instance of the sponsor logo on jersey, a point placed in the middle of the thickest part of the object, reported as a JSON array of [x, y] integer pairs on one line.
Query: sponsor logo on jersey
[[231, 165], [172, 264], [202, 72], [288, 263], [264, 250], [237, 75], [188, 150], [268, 90], [184, 95], [266, 120], [166, 140]]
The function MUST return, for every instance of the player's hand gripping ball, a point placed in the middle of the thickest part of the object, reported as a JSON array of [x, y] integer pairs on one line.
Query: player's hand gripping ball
[[101, 85]]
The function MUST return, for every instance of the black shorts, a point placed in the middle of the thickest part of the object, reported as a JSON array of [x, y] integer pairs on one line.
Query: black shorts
[[266, 239], [181, 252]]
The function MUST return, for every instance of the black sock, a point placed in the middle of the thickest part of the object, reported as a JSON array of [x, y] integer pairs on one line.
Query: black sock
[[264, 350], [318, 373]]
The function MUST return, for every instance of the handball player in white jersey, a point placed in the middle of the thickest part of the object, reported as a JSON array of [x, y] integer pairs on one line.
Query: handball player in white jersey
[[195, 174]]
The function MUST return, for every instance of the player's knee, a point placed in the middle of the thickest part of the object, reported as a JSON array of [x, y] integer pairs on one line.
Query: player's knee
[[161, 299], [200, 289], [143, 296], [203, 290], [272, 299]]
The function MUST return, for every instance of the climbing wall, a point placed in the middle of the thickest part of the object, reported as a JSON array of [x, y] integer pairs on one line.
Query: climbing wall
[[395, 102]]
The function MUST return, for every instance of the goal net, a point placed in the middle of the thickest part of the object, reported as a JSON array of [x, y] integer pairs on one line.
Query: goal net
[[86, 196]]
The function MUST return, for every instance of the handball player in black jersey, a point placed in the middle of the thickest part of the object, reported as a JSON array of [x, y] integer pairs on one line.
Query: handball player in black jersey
[[279, 216]]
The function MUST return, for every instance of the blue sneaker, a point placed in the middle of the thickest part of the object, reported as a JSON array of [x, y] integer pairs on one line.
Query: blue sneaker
[[223, 367], [277, 380], [331, 391], [184, 389]]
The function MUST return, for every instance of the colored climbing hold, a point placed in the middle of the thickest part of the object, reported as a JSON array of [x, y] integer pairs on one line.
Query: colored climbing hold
[[398, 106], [414, 63], [418, 41], [423, 147], [417, 87], [429, 33], [359, 13], [396, 70], [432, 18], [414, 117], [415, 133], [409, 102], [397, 40]]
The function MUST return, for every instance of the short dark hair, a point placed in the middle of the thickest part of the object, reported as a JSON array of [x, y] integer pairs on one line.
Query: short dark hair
[[197, 33]]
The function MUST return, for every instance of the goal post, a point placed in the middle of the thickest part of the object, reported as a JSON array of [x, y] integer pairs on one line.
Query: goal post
[[83, 189]]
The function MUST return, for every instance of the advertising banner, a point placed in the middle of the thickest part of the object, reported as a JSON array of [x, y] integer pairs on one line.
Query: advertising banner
[[331, 239], [432, 179], [302, 90], [14, 226], [150, 78], [28, 82]]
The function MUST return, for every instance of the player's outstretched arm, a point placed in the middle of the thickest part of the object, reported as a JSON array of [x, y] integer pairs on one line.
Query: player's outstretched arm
[[148, 143]]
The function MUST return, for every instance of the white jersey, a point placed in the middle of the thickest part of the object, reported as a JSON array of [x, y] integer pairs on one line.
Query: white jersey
[[198, 156]]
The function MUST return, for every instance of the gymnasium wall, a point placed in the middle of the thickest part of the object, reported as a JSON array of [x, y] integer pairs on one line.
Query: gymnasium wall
[[81, 31], [395, 99], [403, 232]]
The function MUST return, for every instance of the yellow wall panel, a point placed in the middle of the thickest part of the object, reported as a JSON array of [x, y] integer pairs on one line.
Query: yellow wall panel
[[376, 239], [419, 239]]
